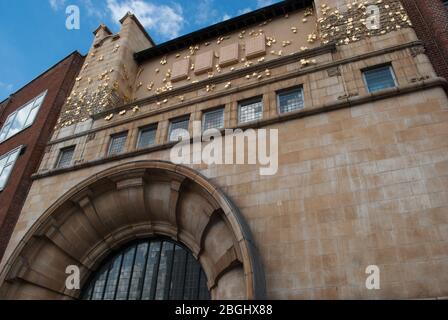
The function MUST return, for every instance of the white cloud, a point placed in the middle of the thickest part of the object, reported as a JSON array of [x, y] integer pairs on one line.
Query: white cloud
[[205, 12], [92, 10], [57, 4], [162, 19], [243, 11], [264, 3], [6, 86], [226, 17]]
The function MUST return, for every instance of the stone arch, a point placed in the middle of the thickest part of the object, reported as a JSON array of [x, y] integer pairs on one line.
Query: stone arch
[[127, 202]]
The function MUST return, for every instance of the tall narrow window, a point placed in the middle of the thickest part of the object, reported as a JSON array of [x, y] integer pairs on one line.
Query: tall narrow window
[[290, 100], [179, 129], [117, 143], [7, 163], [213, 119], [21, 118], [65, 157], [153, 269], [250, 110], [379, 78], [147, 137]]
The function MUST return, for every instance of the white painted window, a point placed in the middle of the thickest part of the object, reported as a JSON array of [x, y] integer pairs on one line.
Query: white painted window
[[22, 118], [7, 163]]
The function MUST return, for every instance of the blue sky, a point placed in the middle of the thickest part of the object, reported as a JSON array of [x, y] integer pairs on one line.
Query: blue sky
[[33, 36]]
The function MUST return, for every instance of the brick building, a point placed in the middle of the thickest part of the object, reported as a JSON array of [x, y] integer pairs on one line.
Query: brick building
[[361, 115], [27, 119]]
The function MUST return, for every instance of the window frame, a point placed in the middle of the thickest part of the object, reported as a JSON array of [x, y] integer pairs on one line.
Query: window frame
[[287, 90], [247, 102], [220, 108], [177, 120], [12, 116], [7, 155], [154, 127], [61, 151], [378, 66], [111, 140]]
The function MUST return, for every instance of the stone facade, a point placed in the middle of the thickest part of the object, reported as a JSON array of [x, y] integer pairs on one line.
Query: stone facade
[[362, 176]]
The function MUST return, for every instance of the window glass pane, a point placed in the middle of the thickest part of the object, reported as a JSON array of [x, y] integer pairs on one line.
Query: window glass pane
[[117, 144], [251, 111], [379, 78], [179, 129], [152, 269], [19, 121], [39, 101], [290, 100], [6, 126], [112, 278], [137, 274], [147, 137], [125, 274], [213, 120], [164, 270], [6, 165], [178, 275], [65, 157], [32, 116]]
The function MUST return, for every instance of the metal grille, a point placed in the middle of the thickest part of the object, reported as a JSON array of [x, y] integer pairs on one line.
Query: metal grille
[[7, 162], [251, 110], [65, 157], [213, 120], [379, 78], [117, 143], [290, 100], [147, 137], [149, 270], [179, 129]]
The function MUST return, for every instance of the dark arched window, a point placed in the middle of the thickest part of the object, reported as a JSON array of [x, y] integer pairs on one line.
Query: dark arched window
[[154, 269]]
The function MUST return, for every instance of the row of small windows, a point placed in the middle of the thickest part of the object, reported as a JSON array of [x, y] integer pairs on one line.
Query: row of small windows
[[250, 110]]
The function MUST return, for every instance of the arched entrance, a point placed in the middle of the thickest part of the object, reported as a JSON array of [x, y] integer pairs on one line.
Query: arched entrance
[[131, 202]]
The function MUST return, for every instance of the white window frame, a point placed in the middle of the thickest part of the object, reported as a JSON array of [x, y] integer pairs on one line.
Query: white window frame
[[11, 118], [363, 71], [7, 155], [248, 102]]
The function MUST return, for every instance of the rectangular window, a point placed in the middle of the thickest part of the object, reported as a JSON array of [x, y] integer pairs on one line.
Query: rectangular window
[[445, 2], [179, 129], [147, 137], [250, 110], [117, 143], [290, 100], [7, 162], [213, 119], [21, 118], [379, 78], [65, 157]]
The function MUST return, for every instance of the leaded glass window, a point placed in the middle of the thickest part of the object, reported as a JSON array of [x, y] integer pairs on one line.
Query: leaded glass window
[[147, 137], [379, 78], [213, 119], [250, 110], [179, 129], [153, 269], [290, 100], [117, 143]]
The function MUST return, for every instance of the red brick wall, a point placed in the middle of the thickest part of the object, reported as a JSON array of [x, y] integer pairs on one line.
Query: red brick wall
[[58, 81], [430, 20]]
